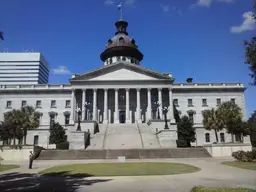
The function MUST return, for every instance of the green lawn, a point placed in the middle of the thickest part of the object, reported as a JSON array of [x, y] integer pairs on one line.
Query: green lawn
[[121, 169], [242, 165], [8, 167], [206, 189]]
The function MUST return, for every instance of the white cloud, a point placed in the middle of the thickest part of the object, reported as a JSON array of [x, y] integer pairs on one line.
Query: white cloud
[[208, 3], [165, 8], [109, 2], [247, 25], [129, 2], [61, 70]]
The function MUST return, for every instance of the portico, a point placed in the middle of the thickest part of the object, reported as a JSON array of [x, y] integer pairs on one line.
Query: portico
[[122, 105]]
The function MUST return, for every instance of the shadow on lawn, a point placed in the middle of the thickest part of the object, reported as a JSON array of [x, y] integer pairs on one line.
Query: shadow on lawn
[[57, 182]]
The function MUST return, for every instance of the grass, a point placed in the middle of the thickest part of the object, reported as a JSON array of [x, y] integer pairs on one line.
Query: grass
[[242, 165], [121, 169], [8, 167], [206, 189]]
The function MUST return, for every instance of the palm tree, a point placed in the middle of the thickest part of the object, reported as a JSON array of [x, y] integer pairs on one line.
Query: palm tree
[[212, 121], [31, 120], [232, 117], [14, 121], [1, 35]]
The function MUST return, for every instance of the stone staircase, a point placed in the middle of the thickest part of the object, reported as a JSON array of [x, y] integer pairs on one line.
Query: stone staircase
[[149, 139], [98, 139], [122, 136]]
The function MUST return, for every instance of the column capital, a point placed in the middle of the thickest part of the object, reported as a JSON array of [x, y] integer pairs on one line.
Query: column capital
[[94, 90], [149, 89], [105, 89], [138, 89], [127, 89], [170, 88], [116, 89], [159, 89]]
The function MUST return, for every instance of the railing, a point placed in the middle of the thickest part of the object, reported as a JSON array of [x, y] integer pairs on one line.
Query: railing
[[32, 87]]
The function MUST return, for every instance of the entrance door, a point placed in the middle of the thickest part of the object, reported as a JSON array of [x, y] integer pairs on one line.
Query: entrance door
[[122, 116]]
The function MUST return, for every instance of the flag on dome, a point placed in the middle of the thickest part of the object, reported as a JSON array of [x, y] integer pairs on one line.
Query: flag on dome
[[119, 7]]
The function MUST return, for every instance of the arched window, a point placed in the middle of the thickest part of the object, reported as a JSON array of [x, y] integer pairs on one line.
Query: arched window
[[132, 60], [207, 137], [110, 61], [124, 58], [36, 138], [222, 137], [121, 40]]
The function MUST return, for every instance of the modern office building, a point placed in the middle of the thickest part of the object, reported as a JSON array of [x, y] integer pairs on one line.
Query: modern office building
[[23, 68]]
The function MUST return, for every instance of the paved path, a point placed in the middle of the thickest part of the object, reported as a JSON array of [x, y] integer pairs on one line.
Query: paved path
[[213, 174]]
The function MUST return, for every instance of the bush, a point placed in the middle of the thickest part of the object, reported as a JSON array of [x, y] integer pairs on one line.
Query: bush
[[63, 145], [249, 156], [37, 151], [181, 143]]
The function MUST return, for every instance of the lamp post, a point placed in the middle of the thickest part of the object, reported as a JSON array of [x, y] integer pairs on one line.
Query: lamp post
[[79, 112], [165, 117]]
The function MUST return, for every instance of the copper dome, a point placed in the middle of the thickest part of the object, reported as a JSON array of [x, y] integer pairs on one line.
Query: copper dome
[[121, 44]]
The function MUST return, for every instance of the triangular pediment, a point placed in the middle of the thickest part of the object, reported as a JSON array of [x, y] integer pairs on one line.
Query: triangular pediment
[[121, 71]]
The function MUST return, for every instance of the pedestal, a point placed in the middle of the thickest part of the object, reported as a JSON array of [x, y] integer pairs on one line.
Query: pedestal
[[77, 140], [167, 138]]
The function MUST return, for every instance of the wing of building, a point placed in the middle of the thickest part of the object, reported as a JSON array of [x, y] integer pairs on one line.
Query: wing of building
[[123, 100]]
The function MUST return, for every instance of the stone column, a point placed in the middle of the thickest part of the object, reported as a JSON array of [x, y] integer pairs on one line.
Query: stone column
[[72, 115], [171, 115], [105, 119], [116, 107], [160, 103], [94, 104], [127, 112], [83, 107], [149, 109], [138, 110]]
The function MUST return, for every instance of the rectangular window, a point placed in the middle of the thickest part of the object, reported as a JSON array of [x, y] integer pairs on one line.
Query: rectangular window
[[222, 137], [38, 104], [207, 138], [9, 104], [67, 118], [233, 100], [204, 102], [23, 103], [176, 102], [68, 103], [191, 117], [190, 102], [53, 103], [52, 119], [218, 102]]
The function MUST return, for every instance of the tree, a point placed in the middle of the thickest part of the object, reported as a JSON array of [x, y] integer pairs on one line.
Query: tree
[[250, 52], [1, 35], [252, 128], [4, 132], [176, 114], [231, 115], [14, 120], [31, 120], [186, 131], [57, 134], [212, 121]]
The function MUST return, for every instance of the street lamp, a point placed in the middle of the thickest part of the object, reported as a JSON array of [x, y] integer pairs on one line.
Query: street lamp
[[79, 112], [165, 117]]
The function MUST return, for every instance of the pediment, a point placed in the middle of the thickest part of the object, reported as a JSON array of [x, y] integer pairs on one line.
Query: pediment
[[119, 72]]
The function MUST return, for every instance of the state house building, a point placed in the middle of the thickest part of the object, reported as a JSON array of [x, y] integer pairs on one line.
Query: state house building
[[124, 99]]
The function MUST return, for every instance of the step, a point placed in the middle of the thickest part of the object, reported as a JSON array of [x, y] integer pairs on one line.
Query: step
[[128, 153]]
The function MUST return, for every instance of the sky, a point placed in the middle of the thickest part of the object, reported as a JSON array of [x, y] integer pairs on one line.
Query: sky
[[202, 39]]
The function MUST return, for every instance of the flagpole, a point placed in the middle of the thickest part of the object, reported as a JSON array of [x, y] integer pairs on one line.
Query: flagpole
[[120, 7]]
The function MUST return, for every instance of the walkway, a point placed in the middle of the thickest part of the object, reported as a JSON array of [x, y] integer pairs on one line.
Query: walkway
[[213, 174]]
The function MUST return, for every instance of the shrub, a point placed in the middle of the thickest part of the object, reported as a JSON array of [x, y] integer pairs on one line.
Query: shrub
[[37, 151], [63, 145], [206, 189], [249, 156], [181, 143]]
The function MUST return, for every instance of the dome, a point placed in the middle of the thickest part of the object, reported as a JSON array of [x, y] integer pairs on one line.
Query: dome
[[121, 44]]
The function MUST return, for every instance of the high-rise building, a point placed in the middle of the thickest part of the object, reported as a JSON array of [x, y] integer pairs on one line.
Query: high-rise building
[[23, 68]]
